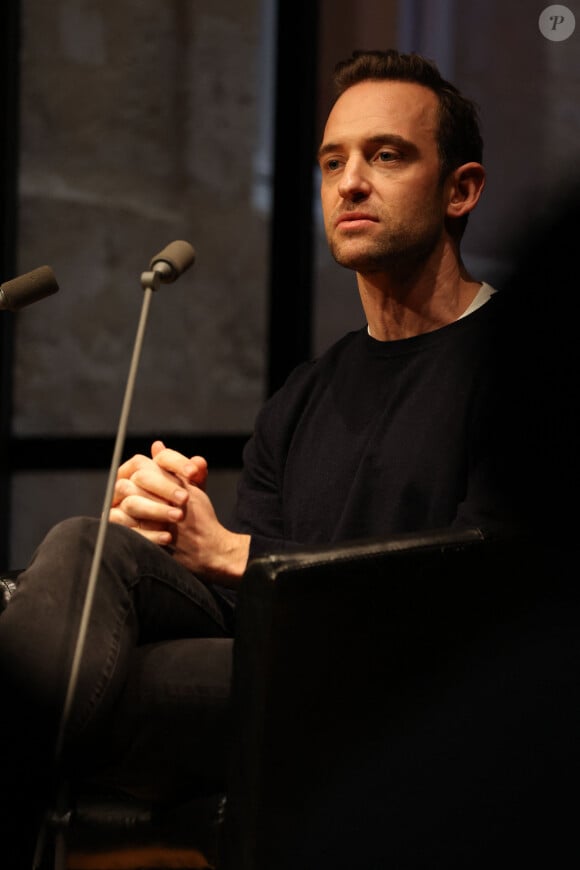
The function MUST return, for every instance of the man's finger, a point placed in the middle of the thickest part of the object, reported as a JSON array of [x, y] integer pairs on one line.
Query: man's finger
[[145, 509], [158, 485], [131, 465]]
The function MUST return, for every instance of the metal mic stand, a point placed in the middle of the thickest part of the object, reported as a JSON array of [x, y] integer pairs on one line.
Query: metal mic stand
[[165, 267]]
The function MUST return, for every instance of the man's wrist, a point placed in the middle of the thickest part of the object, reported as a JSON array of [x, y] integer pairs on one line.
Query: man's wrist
[[230, 566]]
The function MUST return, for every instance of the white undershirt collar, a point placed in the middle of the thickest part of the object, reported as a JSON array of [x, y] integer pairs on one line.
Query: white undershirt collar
[[484, 293]]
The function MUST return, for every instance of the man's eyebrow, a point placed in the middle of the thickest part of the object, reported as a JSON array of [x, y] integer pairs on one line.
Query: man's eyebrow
[[378, 139]]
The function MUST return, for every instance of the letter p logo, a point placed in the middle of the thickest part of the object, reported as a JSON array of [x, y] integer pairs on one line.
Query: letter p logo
[[557, 23]]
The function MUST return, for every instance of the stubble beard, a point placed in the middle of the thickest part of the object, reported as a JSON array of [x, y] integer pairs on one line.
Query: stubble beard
[[396, 251]]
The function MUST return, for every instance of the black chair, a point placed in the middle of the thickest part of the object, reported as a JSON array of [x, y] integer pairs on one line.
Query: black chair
[[410, 703]]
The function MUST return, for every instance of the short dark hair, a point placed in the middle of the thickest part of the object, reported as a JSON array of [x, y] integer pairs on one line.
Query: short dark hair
[[459, 138]]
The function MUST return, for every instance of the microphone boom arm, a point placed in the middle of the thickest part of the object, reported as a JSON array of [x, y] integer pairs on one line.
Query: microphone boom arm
[[108, 500], [180, 255], [184, 254]]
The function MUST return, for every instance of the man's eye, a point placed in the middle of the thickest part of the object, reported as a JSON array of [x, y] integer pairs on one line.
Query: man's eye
[[385, 156], [333, 164]]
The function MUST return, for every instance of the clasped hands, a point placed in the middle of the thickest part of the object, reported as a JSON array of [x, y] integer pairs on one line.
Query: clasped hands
[[163, 498]]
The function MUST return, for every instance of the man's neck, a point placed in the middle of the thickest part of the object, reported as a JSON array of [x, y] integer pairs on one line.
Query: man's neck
[[402, 307]]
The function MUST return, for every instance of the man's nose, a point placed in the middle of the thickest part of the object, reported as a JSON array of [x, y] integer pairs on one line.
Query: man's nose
[[354, 183]]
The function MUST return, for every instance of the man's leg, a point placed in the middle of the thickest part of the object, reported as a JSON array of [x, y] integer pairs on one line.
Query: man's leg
[[169, 733], [142, 596]]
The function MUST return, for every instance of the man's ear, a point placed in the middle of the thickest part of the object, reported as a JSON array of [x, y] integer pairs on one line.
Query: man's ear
[[465, 185]]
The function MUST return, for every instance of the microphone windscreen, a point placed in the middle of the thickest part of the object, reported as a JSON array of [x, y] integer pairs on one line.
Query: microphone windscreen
[[179, 256], [28, 288]]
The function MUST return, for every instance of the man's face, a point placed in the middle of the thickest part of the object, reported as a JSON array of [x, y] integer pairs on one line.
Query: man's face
[[382, 197]]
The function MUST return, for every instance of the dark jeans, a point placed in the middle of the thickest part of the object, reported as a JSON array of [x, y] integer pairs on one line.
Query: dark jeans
[[150, 710]]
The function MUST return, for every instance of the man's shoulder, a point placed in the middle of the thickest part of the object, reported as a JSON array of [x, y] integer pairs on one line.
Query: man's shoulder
[[350, 344], [313, 374], [354, 342]]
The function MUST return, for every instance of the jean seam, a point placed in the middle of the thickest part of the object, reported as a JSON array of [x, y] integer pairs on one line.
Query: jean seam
[[108, 669]]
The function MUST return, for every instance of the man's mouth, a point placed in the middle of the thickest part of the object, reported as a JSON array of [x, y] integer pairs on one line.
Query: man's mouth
[[353, 219]]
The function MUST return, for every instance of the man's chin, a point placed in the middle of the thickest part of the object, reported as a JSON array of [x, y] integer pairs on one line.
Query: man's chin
[[361, 260], [395, 255]]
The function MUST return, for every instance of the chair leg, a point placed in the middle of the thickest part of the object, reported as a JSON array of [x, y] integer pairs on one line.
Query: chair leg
[[60, 851], [51, 836], [40, 846]]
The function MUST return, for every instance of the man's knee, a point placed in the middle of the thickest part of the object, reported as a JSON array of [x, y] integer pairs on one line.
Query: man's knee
[[67, 553], [80, 533], [73, 532]]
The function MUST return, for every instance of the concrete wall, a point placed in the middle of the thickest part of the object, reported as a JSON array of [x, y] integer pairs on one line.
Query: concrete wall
[[139, 127]]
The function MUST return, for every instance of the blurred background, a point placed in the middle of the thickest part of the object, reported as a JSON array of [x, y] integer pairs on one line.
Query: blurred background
[[127, 125]]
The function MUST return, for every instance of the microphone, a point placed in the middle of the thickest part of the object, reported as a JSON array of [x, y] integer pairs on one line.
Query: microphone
[[166, 266], [28, 288], [178, 256], [172, 261]]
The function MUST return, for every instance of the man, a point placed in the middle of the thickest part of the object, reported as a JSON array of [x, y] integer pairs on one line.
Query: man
[[401, 172], [387, 432]]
